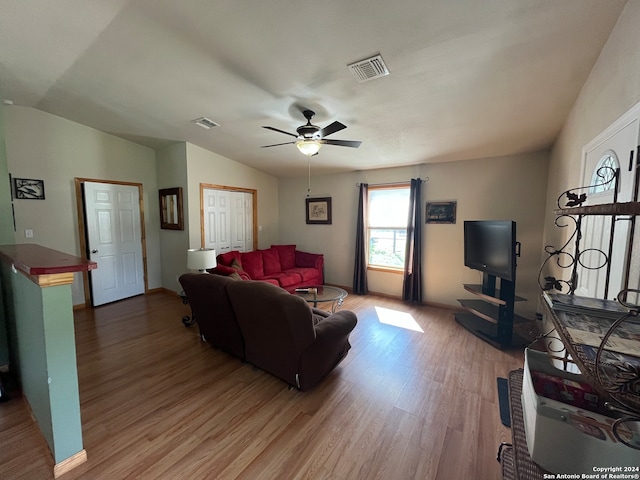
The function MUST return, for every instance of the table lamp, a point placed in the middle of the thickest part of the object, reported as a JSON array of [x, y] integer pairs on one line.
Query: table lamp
[[201, 259]]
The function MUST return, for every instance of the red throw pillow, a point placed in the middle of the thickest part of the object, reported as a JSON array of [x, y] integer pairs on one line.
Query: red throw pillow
[[252, 263], [228, 257], [271, 261], [287, 255]]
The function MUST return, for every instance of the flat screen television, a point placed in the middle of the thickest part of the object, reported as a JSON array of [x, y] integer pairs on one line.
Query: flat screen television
[[490, 246]]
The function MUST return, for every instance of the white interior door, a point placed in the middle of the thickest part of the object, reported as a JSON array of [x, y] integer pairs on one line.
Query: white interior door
[[228, 220], [616, 148], [217, 234], [114, 240]]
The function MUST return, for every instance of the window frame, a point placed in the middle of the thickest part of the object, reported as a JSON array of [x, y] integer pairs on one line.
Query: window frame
[[368, 228]]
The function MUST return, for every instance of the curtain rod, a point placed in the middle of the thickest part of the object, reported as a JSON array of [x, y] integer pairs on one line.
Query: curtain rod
[[425, 179]]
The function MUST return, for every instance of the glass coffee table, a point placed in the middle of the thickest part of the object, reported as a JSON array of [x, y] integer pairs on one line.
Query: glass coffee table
[[316, 294]]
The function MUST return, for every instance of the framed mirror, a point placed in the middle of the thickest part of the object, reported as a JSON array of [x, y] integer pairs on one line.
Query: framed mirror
[[171, 209]]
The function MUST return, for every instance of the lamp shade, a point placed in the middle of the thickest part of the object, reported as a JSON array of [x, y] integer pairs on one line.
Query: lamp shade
[[201, 259], [308, 147]]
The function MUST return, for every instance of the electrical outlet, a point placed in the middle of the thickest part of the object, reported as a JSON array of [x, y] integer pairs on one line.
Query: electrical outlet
[[28, 233]]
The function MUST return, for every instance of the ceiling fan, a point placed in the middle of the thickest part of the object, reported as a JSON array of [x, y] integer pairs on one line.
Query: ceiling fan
[[311, 137]]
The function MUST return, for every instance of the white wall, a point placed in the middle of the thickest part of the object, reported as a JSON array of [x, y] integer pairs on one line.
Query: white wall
[[207, 167], [44, 146], [511, 188]]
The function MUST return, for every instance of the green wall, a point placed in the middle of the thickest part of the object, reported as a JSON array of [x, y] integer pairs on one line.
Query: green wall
[[40, 325], [6, 230]]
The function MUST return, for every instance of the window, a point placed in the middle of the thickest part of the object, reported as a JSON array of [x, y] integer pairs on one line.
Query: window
[[387, 226], [602, 177]]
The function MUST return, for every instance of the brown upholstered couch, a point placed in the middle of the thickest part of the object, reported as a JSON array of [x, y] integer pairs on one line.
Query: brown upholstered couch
[[281, 265], [269, 327]]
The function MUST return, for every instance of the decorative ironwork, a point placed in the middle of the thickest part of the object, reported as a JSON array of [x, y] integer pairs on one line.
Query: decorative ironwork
[[617, 373], [620, 377], [607, 174], [567, 257]]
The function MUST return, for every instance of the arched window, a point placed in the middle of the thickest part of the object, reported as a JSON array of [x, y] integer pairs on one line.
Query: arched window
[[603, 173]]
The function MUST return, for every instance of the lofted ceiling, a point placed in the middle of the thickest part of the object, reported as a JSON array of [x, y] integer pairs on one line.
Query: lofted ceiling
[[468, 79]]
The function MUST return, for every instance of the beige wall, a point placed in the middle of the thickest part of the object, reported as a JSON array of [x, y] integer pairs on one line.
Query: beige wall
[[611, 89], [44, 146], [207, 167], [172, 172], [497, 188]]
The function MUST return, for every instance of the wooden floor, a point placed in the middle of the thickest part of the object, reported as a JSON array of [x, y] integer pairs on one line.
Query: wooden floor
[[157, 403]]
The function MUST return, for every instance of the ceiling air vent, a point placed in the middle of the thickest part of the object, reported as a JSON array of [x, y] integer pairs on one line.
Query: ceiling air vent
[[204, 122], [368, 69]]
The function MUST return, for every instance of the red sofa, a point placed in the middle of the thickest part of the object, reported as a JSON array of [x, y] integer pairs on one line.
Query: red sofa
[[280, 265]]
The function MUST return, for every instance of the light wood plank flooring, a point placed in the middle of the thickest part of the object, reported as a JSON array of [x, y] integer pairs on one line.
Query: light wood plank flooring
[[157, 403]]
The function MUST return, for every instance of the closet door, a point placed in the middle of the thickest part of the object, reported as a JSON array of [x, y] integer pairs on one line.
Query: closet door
[[217, 221], [238, 224], [228, 221]]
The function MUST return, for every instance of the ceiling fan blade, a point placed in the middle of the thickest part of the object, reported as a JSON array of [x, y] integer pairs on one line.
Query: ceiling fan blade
[[277, 144], [342, 143], [281, 131], [332, 128]]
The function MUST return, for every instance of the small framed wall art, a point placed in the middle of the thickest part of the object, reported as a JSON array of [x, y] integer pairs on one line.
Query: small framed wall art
[[441, 212], [319, 211], [170, 200], [28, 189]]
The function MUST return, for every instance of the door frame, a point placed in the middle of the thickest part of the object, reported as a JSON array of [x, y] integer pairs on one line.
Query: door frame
[[82, 229], [630, 116], [254, 196]]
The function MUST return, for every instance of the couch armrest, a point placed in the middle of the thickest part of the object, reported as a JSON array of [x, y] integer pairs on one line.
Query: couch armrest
[[311, 260], [329, 348], [319, 311], [336, 326], [305, 259]]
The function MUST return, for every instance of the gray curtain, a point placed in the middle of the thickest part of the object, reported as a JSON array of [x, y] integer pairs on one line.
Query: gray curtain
[[412, 283], [360, 266]]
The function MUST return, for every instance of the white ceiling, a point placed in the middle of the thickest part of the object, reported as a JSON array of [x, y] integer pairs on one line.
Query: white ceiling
[[469, 78]]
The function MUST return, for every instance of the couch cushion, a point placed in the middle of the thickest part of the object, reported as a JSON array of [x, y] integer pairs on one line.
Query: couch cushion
[[271, 261], [252, 263], [285, 279], [287, 256], [307, 274]]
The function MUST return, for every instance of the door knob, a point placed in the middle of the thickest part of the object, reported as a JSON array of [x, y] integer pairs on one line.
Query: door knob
[[94, 251]]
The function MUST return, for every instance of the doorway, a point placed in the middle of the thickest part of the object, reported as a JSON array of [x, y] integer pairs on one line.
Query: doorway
[[111, 229], [614, 148], [228, 218]]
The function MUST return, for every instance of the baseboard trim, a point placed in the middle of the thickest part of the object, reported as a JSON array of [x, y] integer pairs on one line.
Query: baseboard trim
[[70, 463], [445, 306]]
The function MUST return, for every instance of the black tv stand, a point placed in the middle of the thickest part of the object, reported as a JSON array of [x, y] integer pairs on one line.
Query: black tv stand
[[490, 316]]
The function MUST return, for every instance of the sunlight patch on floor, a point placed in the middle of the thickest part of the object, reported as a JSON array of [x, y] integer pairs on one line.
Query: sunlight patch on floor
[[398, 319]]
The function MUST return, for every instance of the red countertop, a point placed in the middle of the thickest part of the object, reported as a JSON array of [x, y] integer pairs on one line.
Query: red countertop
[[38, 260]]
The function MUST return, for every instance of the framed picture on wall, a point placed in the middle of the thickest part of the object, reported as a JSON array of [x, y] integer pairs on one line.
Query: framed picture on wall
[[319, 211], [28, 188], [441, 212], [170, 200]]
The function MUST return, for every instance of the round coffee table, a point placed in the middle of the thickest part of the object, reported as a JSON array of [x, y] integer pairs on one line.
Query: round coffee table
[[322, 293]]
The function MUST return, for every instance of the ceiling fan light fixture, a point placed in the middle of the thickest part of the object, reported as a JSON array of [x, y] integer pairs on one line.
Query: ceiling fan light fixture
[[308, 147]]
